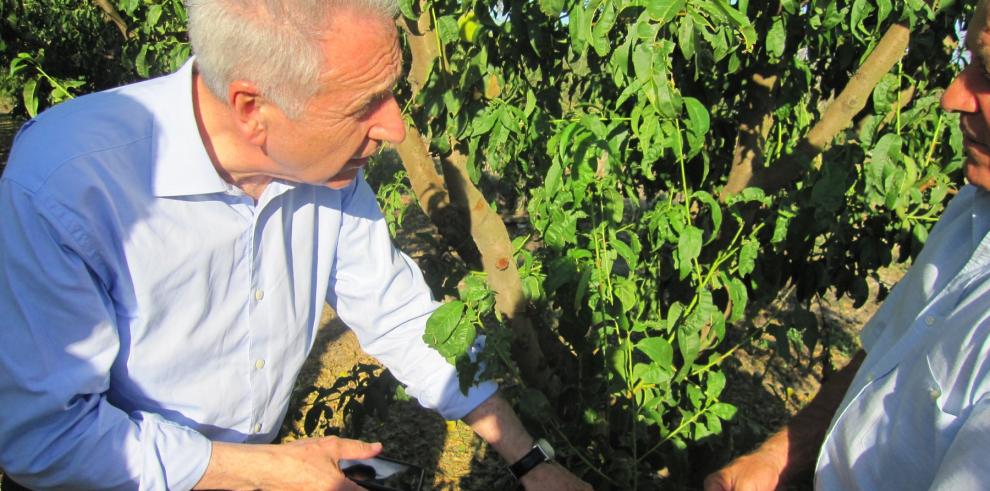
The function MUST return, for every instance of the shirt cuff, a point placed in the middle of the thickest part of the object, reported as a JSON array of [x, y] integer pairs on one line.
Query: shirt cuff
[[182, 453]]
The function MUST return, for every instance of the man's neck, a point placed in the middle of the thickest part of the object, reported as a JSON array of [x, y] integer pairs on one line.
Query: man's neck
[[232, 157]]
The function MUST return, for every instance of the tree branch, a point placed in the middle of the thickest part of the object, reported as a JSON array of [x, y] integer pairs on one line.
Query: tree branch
[[839, 114], [114, 16]]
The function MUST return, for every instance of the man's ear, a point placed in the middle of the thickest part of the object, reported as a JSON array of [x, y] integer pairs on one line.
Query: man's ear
[[249, 111]]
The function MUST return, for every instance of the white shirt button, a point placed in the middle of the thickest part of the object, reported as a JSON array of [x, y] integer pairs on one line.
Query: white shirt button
[[935, 393], [256, 428], [930, 320], [259, 294], [259, 364]]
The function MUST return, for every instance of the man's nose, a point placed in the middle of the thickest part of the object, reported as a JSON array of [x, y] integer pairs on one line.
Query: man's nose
[[388, 125], [960, 96]]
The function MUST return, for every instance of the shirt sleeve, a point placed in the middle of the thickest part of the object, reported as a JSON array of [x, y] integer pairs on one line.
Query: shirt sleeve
[[379, 292], [59, 341], [965, 463]]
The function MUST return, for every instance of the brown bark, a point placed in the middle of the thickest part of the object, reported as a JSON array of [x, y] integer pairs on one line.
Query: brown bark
[[466, 201], [753, 131], [498, 261], [114, 16], [423, 46], [431, 193], [839, 114]]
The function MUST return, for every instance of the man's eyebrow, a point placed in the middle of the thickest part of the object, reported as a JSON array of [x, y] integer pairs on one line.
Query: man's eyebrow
[[379, 95]]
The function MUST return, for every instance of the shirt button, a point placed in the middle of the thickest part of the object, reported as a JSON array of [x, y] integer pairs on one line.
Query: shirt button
[[869, 377], [930, 320], [935, 393], [256, 428], [259, 364], [259, 294]]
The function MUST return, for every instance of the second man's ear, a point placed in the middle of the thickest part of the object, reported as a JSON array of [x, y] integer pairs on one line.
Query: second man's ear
[[249, 108]]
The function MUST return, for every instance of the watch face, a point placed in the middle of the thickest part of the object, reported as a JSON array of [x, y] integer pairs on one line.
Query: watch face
[[545, 448]]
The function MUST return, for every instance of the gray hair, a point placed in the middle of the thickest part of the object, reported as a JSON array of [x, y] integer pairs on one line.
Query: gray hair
[[272, 43]]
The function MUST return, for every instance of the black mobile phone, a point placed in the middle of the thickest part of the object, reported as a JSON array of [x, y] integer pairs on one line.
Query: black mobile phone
[[383, 474]]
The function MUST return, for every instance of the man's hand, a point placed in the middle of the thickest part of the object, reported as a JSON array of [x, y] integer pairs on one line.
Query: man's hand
[[552, 476], [301, 465], [753, 472]]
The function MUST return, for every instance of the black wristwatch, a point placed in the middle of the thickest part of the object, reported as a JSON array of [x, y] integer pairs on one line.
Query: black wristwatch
[[540, 453]]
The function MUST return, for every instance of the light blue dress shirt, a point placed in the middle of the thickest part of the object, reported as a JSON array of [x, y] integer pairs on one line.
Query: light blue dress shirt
[[148, 307], [917, 415]]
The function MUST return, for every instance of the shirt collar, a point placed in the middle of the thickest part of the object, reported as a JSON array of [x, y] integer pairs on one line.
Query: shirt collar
[[183, 166]]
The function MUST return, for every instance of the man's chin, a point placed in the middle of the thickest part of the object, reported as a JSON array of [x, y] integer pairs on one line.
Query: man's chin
[[977, 174], [342, 180]]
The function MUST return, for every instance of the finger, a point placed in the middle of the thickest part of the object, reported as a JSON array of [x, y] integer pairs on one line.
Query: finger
[[347, 485], [716, 482], [356, 449]]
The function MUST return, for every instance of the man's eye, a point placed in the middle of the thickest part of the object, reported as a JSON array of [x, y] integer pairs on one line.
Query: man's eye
[[373, 104]]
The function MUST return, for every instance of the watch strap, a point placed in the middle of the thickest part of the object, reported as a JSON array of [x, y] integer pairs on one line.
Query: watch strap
[[533, 458]]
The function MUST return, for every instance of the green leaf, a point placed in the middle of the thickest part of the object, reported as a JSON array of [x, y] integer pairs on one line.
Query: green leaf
[[530, 103], [716, 383], [553, 180], [860, 10], [141, 62], [883, 10], [552, 8], [689, 343], [625, 252], [448, 30], [695, 396], [483, 124], [154, 14], [723, 410], [674, 316], [29, 94], [739, 296], [689, 244], [747, 256], [459, 342], [658, 350], [603, 25], [651, 374], [687, 37], [406, 7], [443, 322], [739, 21], [698, 124], [714, 211], [777, 38], [663, 11], [625, 290]]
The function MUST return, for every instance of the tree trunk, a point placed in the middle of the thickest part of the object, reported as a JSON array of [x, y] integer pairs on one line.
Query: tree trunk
[[486, 227], [753, 130]]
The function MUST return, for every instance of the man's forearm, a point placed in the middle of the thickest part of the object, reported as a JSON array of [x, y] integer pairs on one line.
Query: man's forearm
[[496, 422], [795, 447]]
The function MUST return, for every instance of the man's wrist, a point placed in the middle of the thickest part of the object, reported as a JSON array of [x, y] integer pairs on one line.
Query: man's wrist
[[539, 453]]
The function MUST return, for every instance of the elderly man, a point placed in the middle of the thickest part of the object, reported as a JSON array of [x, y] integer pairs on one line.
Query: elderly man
[[916, 410], [166, 249]]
